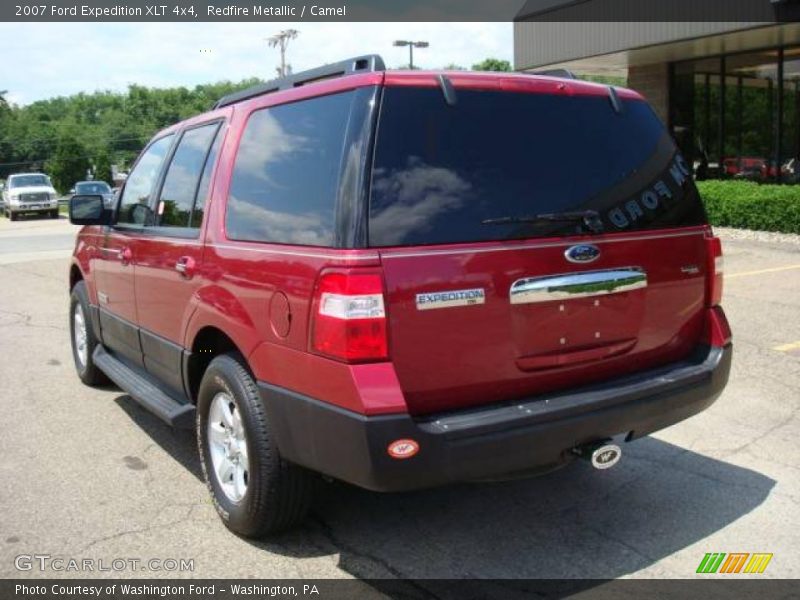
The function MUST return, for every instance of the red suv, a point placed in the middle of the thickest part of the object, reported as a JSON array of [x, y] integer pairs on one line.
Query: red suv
[[402, 279]]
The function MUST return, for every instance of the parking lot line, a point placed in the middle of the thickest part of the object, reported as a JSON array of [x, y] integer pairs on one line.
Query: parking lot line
[[761, 271], [788, 347]]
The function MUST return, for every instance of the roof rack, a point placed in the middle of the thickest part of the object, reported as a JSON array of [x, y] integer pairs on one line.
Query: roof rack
[[359, 64]]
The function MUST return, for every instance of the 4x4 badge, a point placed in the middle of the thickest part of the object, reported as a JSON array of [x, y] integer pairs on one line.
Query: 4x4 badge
[[582, 253]]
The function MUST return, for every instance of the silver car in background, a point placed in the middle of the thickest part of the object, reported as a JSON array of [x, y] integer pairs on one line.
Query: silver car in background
[[94, 188]]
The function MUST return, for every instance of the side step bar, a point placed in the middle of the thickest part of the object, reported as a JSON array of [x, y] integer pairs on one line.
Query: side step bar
[[145, 393]]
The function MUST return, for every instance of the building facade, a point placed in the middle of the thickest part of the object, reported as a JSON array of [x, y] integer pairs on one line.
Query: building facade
[[728, 91]]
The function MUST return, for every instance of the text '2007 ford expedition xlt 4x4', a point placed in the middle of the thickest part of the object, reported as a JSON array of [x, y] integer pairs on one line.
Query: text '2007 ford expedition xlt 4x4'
[[403, 279]]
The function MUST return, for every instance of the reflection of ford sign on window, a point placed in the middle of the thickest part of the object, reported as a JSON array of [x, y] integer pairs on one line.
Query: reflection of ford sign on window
[[431, 300], [654, 198]]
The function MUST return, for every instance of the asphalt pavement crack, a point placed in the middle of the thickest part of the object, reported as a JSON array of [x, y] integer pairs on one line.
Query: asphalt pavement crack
[[345, 548], [151, 527], [25, 320], [782, 423]]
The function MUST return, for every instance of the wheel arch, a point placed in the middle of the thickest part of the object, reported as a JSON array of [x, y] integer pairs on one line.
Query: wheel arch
[[75, 275], [208, 342]]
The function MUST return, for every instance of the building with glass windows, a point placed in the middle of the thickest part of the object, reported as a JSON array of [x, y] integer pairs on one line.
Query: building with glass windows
[[729, 91]]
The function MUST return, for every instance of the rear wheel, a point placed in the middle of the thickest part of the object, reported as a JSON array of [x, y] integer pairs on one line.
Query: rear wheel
[[54, 214], [84, 340], [12, 215], [255, 491]]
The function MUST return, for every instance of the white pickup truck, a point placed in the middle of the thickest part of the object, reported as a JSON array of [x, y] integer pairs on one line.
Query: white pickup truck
[[29, 193]]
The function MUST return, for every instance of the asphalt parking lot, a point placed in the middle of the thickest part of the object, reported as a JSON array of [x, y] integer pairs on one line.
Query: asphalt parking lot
[[88, 474]]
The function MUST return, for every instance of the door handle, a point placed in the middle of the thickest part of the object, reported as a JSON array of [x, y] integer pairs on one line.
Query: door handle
[[185, 266], [125, 256]]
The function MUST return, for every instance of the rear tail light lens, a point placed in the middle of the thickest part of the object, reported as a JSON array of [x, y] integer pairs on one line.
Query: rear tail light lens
[[349, 321], [715, 269]]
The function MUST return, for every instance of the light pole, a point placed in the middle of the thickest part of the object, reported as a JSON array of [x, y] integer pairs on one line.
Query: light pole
[[282, 40], [411, 45]]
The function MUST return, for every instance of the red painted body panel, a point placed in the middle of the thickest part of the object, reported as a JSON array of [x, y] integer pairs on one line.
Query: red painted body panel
[[113, 278], [469, 355], [165, 299], [505, 82], [439, 359]]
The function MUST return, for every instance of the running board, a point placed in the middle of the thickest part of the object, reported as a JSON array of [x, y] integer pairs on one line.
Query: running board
[[162, 405]]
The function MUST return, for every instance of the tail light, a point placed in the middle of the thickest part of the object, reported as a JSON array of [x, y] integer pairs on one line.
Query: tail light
[[349, 318], [715, 268]]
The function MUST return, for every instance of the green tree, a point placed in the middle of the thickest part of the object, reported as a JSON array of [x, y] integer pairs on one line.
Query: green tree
[[492, 64], [70, 162], [453, 67], [109, 127]]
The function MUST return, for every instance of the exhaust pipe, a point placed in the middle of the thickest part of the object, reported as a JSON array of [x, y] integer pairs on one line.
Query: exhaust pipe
[[603, 455]]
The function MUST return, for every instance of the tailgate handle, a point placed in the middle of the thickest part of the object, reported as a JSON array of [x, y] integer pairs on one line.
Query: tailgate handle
[[577, 285]]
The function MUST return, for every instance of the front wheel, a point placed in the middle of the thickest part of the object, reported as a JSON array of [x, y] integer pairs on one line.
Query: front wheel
[[83, 337], [255, 491], [12, 215]]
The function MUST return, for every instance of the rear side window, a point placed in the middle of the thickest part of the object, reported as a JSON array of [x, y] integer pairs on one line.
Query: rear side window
[[205, 183], [134, 206], [440, 171], [285, 179], [182, 182]]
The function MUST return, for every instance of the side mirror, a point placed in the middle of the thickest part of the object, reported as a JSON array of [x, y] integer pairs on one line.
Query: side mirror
[[88, 210], [72, 191]]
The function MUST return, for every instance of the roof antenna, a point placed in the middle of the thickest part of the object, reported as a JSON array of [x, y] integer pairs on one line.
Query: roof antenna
[[616, 103], [448, 90]]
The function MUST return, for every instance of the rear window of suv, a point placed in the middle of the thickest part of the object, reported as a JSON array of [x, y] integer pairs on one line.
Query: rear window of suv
[[441, 170]]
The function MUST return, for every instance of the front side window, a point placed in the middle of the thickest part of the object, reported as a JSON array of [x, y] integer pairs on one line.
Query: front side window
[[181, 183], [285, 179], [134, 206]]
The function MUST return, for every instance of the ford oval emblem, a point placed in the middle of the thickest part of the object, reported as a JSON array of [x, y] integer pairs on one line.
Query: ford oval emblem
[[582, 253]]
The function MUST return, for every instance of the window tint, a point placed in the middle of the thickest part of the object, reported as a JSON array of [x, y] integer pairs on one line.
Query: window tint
[[134, 207], [183, 176], [205, 182], [28, 181], [92, 187], [285, 179], [440, 170]]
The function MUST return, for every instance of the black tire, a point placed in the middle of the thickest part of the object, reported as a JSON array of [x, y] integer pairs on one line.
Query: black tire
[[54, 214], [278, 493], [88, 372], [12, 215]]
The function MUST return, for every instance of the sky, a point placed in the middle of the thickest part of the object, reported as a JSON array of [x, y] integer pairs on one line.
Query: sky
[[44, 60]]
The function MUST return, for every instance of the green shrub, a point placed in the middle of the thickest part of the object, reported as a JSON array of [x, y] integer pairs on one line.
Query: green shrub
[[749, 205]]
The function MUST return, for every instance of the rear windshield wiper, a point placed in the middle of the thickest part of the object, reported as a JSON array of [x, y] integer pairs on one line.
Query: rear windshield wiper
[[589, 218]]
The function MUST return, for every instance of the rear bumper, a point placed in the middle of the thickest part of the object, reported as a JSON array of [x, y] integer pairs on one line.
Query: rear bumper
[[496, 441]]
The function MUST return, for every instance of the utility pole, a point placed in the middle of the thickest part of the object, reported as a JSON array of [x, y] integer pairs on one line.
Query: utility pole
[[411, 45], [281, 40]]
